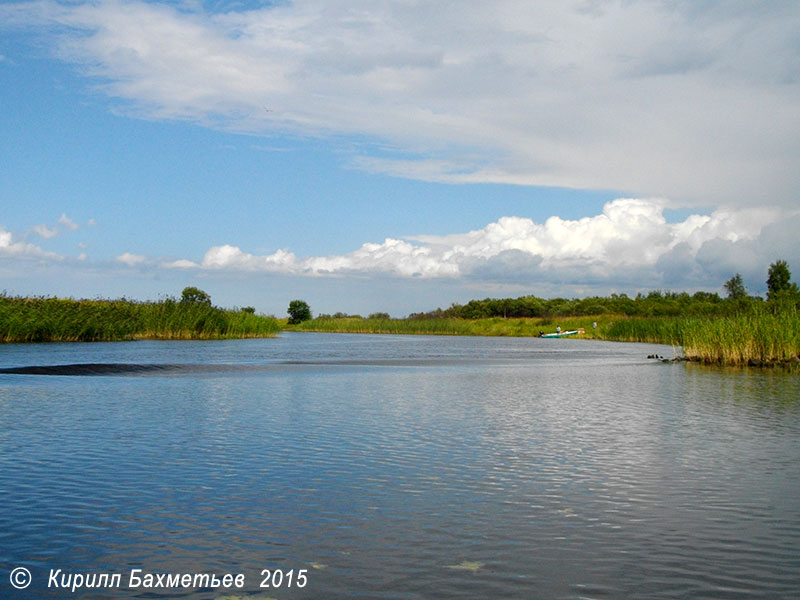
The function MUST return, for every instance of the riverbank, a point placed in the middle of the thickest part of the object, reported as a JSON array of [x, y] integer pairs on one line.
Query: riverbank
[[67, 320], [495, 326], [758, 336]]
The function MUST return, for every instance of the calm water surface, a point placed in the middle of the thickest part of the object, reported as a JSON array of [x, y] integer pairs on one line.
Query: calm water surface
[[401, 467]]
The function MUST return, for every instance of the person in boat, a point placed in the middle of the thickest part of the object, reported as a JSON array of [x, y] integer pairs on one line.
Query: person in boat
[[541, 333], [558, 329]]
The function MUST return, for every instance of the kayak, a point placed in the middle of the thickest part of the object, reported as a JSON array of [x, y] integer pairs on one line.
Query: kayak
[[562, 334]]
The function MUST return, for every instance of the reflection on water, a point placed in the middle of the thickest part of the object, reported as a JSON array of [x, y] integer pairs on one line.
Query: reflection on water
[[404, 467]]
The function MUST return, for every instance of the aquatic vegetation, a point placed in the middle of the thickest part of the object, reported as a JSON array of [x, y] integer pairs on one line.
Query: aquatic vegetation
[[759, 334], [654, 330], [65, 320], [758, 337], [756, 333], [495, 326], [258, 597], [467, 565]]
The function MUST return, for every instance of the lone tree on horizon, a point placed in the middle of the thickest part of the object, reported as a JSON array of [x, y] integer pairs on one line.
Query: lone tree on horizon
[[735, 287], [299, 311], [779, 280], [193, 295]]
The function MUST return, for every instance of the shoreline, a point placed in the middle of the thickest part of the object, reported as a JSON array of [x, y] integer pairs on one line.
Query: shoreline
[[757, 338], [760, 335], [32, 320]]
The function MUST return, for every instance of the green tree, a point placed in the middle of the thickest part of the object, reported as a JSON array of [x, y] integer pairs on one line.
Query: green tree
[[735, 287], [778, 278], [193, 295], [299, 311]]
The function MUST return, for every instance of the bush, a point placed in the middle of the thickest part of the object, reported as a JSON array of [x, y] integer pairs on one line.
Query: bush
[[193, 295], [299, 311]]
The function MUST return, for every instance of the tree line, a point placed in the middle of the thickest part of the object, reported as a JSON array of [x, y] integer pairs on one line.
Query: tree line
[[781, 293]]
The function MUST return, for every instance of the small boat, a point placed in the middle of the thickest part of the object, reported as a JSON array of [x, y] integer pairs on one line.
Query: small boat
[[561, 334]]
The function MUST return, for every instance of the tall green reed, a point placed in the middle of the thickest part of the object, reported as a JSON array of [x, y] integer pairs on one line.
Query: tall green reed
[[53, 319]]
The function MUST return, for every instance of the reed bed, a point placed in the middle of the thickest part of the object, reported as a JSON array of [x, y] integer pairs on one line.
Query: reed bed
[[758, 337], [66, 320], [761, 334], [496, 326], [651, 330], [387, 326]]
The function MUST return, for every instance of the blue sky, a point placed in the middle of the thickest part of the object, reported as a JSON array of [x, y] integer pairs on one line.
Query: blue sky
[[371, 156]]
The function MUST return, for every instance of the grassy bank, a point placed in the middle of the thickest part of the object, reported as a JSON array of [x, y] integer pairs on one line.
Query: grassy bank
[[758, 335], [496, 326], [62, 320], [661, 330]]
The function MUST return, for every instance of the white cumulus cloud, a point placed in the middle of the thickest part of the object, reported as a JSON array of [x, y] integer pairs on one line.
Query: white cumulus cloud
[[630, 241]]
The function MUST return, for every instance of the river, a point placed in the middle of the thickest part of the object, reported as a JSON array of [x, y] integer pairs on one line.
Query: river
[[405, 467]]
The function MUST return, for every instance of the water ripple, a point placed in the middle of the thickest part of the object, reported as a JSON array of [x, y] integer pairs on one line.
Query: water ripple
[[404, 468]]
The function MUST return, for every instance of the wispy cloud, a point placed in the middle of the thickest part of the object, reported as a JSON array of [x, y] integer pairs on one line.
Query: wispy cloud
[[11, 248], [131, 260], [50, 231], [695, 102], [67, 222], [45, 231]]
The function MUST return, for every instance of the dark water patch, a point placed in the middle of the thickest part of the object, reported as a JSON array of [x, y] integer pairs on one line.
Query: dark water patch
[[89, 369], [99, 369]]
